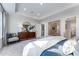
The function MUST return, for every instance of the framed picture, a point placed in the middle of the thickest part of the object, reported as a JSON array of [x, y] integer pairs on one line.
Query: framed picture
[[54, 28]]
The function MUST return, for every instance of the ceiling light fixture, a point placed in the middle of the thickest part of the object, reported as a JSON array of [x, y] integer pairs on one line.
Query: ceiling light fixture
[[41, 4], [25, 9]]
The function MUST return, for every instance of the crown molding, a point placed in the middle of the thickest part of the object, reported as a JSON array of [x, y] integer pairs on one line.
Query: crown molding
[[45, 16], [53, 13], [26, 15]]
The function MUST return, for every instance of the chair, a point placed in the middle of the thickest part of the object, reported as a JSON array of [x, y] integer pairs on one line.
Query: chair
[[11, 37]]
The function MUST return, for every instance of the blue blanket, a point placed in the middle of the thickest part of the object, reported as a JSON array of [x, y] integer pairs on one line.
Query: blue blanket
[[53, 50]]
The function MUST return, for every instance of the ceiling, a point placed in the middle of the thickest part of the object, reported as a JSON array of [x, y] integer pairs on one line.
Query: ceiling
[[36, 10]]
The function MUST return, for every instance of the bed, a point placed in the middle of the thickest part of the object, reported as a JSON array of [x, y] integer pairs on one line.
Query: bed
[[55, 50], [36, 48]]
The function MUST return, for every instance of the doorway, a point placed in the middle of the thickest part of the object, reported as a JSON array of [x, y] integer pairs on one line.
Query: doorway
[[42, 30], [70, 28]]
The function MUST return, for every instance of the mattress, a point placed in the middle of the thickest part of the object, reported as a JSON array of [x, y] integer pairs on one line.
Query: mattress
[[35, 48]]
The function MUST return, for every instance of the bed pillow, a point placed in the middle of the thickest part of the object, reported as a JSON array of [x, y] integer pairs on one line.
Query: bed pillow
[[68, 47]]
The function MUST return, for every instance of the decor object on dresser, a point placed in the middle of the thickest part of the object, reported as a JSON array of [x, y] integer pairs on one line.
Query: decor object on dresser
[[31, 28], [26, 35], [27, 27]]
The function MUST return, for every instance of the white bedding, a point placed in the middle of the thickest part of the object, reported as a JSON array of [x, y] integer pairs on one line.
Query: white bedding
[[35, 48]]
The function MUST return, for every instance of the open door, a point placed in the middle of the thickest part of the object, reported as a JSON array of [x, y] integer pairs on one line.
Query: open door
[[70, 28], [42, 29]]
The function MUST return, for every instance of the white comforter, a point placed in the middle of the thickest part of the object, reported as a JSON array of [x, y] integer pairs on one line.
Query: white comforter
[[35, 48]]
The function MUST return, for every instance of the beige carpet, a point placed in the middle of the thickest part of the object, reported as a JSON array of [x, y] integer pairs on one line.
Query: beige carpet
[[15, 49]]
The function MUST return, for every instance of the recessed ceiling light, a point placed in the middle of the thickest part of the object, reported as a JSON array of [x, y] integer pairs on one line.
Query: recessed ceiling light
[[25, 9], [41, 4]]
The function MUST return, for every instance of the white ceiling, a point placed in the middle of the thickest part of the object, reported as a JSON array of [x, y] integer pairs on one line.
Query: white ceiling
[[36, 10], [9, 7]]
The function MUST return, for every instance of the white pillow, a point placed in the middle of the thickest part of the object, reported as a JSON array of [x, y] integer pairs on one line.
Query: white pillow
[[68, 46]]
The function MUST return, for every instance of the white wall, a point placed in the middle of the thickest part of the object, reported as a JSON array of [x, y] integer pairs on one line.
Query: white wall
[[62, 16], [38, 30], [62, 27], [77, 27], [15, 20]]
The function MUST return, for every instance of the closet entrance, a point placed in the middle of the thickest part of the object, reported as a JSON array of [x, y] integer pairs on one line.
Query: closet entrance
[[70, 28]]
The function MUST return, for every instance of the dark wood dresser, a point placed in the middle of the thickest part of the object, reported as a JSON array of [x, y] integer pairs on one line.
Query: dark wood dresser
[[26, 35]]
